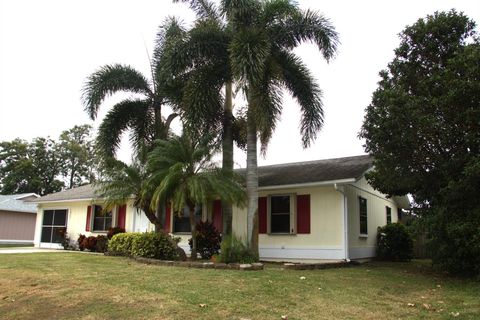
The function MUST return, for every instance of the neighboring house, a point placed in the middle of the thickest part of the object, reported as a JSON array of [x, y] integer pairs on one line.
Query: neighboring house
[[17, 218], [315, 210]]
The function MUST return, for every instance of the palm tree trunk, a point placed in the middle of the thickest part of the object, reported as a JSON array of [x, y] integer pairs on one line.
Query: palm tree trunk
[[252, 186], [227, 156], [193, 228]]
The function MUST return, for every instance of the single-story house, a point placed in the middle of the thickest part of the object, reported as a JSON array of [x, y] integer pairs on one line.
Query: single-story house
[[308, 211], [17, 218]]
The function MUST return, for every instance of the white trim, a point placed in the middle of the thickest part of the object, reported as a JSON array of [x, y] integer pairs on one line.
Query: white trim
[[67, 200], [292, 213], [50, 245], [308, 184], [345, 220], [362, 252], [302, 253]]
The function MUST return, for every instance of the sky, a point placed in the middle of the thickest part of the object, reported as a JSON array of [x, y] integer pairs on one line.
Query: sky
[[48, 48]]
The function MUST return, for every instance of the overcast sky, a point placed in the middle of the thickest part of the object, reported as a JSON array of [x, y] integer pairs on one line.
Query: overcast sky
[[48, 48]]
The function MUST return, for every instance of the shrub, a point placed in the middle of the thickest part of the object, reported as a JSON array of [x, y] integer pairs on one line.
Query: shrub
[[101, 244], [155, 245], [233, 250], [121, 243], [80, 239], [394, 243], [113, 231], [89, 243], [208, 239]]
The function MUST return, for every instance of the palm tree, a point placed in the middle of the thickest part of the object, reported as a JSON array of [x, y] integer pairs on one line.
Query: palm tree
[[141, 115], [122, 182], [181, 172], [202, 57], [262, 62]]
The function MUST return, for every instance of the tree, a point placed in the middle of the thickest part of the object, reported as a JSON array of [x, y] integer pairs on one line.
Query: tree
[[202, 58], [263, 63], [422, 129], [78, 155], [142, 116], [181, 172], [30, 167]]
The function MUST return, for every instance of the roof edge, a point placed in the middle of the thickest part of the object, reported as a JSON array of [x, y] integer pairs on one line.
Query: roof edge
[[308, 184]]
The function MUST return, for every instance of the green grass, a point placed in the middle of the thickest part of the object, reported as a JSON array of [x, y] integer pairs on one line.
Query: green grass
[[83, 286]]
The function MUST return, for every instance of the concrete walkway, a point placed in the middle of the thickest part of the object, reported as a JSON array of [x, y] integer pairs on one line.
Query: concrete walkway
[[28, 250]]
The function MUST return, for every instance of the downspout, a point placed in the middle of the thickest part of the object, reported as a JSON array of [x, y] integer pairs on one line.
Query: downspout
[[345, 220]]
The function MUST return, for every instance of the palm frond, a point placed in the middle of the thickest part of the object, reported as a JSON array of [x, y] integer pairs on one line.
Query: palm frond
[[303, 87], [108, 80], [303, 26], [133, 114], [204, 9]]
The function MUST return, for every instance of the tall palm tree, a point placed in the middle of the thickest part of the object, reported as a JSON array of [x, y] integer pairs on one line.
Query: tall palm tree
[[181, 172], [202, 57], [142, 114], [263, 63]]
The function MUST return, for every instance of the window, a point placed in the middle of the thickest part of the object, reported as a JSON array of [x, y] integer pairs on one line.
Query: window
[[282, 214], [363, 216], [181, 223], [54, 225], [102, 220], [389, 214]]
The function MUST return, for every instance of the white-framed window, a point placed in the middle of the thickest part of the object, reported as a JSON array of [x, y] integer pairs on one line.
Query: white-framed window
[[282, 214], [362, 203], [102, 220], [389, 214], [181, 222]]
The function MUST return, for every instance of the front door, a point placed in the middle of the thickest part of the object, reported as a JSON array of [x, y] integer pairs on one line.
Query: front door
[[54, 227]]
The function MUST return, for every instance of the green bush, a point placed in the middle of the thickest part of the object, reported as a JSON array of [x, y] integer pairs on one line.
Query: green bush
[[155, 245], [394, 243], [233, 250], [121, 243], [208, 239]]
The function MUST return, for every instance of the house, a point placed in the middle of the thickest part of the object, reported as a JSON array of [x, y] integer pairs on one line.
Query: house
[[17, 218], [308, 211]]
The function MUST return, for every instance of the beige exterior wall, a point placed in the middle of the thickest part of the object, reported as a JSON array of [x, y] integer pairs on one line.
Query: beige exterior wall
[[77, 218], [360, 246], [17, 227], [325, 241]]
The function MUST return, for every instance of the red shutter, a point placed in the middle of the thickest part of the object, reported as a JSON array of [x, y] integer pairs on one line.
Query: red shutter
[[217, 217], [122, 215], [303, 213], [262, 215], [89, 216], [168, 216]]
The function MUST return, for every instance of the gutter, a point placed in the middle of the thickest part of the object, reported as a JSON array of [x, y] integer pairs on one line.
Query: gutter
[[308, 184], [341, 189]]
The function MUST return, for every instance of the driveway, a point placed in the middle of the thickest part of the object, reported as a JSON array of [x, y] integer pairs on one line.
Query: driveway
[[27, 250]]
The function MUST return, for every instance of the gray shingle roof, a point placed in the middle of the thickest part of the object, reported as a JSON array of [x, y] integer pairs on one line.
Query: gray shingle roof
[[313, 171], [14, 202], [274, 175], [78, 193]]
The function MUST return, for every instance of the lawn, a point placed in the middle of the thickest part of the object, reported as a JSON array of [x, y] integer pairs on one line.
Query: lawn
[[84, 286]]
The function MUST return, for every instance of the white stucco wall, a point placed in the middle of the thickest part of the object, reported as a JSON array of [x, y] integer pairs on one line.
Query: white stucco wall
[[76, 218], [359, 246]]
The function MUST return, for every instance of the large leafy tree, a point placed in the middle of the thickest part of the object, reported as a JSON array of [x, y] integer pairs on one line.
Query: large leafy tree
[[76, 149], [30, 166], [264, 34], [181, 172], [423, 129]]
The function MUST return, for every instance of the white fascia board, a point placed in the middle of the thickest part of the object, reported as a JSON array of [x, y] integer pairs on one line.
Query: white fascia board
[[67, 200], [309, 184]]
